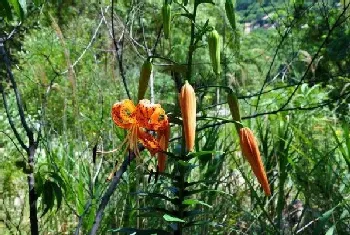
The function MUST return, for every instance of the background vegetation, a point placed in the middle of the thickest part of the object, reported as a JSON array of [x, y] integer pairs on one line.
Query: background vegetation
[[65, 63]]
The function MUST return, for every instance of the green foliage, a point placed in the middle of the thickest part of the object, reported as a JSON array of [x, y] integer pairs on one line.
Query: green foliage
[[68, 74]]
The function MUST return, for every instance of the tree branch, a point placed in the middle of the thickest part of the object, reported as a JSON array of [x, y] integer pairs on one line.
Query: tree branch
[[6, 60], [112, 186], [30, 149]]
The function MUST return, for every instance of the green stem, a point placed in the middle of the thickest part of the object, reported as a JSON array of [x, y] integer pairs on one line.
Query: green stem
[[227, 88], [181, 184], [191, 48], [182, 168], [181, 197]]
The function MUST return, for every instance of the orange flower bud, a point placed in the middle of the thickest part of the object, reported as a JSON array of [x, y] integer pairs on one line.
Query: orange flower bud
[[187, 99], [250, 150]]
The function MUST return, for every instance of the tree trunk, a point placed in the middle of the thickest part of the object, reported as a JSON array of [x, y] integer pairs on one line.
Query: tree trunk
[[33, 215]]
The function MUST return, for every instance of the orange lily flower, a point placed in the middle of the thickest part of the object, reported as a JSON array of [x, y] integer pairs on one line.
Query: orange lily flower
[[137, 120]]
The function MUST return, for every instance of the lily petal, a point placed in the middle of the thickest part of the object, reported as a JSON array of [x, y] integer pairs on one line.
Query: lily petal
[[123, 114], [163, 139], [149, 142]]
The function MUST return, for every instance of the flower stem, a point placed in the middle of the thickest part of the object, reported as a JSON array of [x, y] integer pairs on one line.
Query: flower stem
[[191, 47]]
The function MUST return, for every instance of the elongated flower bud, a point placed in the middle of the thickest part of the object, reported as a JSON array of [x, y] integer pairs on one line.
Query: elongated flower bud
[[163, 138], [250, 150], [166, 13], [230, 13], [234, 108], [187, 99], [214, 50], [145, 74], [231, 16]]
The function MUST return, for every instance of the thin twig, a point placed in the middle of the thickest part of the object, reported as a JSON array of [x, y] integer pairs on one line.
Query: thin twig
[[313, 59], [312, 107], [8, 136], [119, 53], [284, 37], [87, 47]]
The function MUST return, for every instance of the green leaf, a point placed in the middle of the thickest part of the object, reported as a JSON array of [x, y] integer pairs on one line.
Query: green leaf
[[58, 179], [344, 214], [198, 154], [184, 163], [17, 7], [6, 9], [20, 164], [323, 221], [204, 1], [341, 148], [89, 219], [172, 155], [346, 135], [58, 195], [48, 197], [330, 230], [170, 218], [195, 202], [23, 4], [80, 198], [38, 3], [38, 184]]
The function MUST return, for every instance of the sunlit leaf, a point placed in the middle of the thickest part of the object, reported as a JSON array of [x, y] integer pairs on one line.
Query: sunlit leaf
[[17, 8], [330, 231], [170, 218], [23, 4]]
